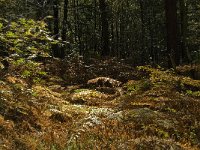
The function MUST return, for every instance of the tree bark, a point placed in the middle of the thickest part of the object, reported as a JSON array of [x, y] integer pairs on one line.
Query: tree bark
[[171, 24], [143, 53], [105, 28], [55, 47], [65, 20], [183, 26]]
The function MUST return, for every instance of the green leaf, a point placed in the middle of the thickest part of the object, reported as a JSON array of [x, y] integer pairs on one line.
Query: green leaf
[[1, 26], [26, 74], [10, 34]]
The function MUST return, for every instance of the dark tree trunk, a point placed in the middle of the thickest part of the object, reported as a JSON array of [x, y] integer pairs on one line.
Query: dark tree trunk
[[122, 33], [56, 19], [65, 20], [39, 12], [112, 50], [117, 37], [55, 47], [185, 55], [95, 24], [171, 24], [143, 53], [57, 50], [64, 28], [105, 28]]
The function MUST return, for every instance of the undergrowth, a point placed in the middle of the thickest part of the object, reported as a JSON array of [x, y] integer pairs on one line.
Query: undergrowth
[[41, 109]]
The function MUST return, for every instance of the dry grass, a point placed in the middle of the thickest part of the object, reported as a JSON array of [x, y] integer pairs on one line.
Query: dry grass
[[152, 114]]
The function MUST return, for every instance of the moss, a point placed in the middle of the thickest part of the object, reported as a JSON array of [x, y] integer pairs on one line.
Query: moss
[[134, 86]]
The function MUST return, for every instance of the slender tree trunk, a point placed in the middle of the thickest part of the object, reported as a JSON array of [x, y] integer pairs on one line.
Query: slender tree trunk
[[95, 24], [122, 33], [75, 19], [56, 19], [171, 24], [55, 47], [79, 30], [117, 36], [64, 28], [39, 12], [105, 28], [185, 57], [65, 20], [112, 40], [143, 53], [151, 34]]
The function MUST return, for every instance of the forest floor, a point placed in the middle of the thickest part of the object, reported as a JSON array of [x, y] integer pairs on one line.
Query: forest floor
[[97, 104]]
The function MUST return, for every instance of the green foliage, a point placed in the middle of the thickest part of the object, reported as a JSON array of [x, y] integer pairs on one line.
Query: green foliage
[[193, 93], [170, 109], [25, 36], [42, 73], [134, 86], [28, 69], [19, 62], [158, 75], [38, 80], [26, 73], [1, 26], [79, 90]]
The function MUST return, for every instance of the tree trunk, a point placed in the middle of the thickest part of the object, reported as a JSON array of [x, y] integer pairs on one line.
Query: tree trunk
[[105, 28], [171, 24], [65, 20], [95, 25], [143, 53], [184, 23], [55, 47]]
